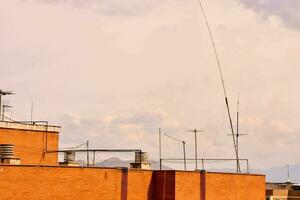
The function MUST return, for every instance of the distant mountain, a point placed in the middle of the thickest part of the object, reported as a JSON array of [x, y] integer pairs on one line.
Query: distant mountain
[[279, 174], [117, 162], [274, 174]]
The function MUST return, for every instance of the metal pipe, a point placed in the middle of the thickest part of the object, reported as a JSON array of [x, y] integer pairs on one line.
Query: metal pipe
[[196, 149], [94, 158], [184, 156], [183, 144], [237, 134], [87, 154], [159, 138], [248, 170], [96, 150], [205, 159], [195, 131]]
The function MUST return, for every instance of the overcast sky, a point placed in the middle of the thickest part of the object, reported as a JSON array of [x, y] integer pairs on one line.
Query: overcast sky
[[113, 71]]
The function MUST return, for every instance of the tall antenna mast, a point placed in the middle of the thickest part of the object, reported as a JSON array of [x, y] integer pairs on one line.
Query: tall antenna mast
[[223, 84], [237, 129]]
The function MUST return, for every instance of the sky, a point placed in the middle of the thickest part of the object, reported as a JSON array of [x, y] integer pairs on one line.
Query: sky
[[112, 72]]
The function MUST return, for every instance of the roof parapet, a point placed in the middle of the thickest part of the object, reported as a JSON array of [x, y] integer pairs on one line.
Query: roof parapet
[[26, 126]]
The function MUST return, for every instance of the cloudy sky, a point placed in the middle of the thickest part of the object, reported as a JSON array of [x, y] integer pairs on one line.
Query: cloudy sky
[[113, 71]]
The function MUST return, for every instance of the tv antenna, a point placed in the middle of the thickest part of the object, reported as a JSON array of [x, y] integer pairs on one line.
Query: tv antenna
[[238, 134], [195, 131], [183, 146]]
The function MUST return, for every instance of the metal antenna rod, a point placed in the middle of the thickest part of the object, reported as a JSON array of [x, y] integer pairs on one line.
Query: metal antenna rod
[[31, 112], [159, 147], [183, 146], [238, 132], [195, 131], [223, 83], [87, 154]]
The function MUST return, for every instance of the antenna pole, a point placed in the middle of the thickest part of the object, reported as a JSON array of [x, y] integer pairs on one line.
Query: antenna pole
[[237, 134], [183, 146], [195, 131], [196, 149], [31, 113], [159, 147], [223, 83], [94, 158], [87, 154], [184, 156]]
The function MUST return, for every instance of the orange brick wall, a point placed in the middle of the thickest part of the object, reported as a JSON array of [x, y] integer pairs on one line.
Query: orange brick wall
[[221, 186], [30, 145], [151, 185], [187, 185], [164, 185], [71, 183], [50, 183], [140, 185]]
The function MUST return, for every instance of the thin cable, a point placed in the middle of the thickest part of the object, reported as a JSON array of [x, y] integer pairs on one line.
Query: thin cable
[[223, 83]]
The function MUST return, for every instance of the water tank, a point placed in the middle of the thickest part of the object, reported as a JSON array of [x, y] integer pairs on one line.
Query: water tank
[[141, 157], [6, 150], [69, 156]]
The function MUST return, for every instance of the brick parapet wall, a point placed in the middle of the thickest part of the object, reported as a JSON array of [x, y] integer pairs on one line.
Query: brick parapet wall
[[88, 183]]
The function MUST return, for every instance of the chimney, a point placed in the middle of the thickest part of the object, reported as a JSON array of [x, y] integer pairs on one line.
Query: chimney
[[141, 161]]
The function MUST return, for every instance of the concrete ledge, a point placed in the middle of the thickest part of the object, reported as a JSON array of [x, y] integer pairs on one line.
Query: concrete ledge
[[30, 127]]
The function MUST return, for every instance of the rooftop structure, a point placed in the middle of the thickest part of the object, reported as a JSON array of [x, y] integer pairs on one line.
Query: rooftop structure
[[39, 175], [282, 191]]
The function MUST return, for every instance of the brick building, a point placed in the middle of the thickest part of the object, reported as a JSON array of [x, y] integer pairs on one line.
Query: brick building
[[40, 177], [282, 191]]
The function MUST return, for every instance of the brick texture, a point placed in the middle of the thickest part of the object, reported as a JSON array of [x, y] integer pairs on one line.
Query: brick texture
[[140, 185], [222, 186], [72, 183], [57, 183], [30, 145], [187, 185]]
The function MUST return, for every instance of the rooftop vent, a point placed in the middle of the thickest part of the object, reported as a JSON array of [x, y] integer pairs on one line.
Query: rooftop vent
[[69, 159], [6, 150], [141, 161], [7, 155]]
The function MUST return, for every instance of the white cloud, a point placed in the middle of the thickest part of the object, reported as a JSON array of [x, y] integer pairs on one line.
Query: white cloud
[[109, 7], [287, 10], [126, 76]]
